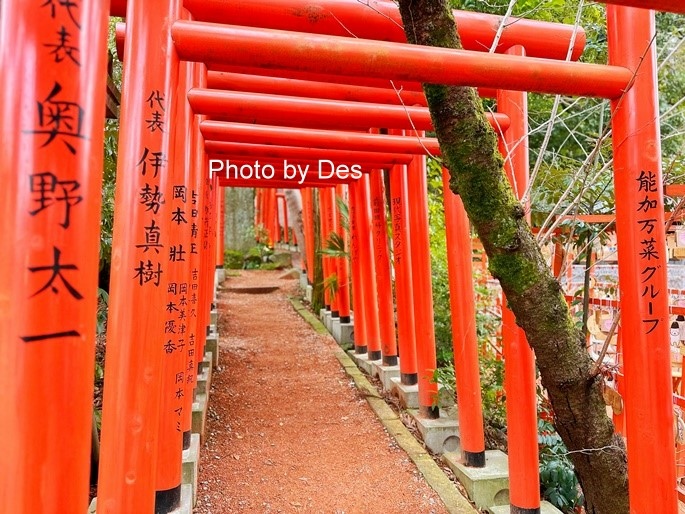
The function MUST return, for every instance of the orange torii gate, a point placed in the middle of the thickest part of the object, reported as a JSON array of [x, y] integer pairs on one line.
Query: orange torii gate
[[136, 474]]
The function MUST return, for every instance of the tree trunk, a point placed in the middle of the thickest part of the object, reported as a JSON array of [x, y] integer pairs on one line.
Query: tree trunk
[[469, 149], [293, 202]]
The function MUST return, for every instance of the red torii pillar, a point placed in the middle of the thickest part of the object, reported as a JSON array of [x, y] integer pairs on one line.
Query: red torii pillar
[[642, 268], [519, 359], [195, 161], [138, 293], [170, 432], [331, 220], [271, 216], [358, 302], [310, 250], [304, 192], [386, 308], [406, 336], [220, 227], [343, 263], [367, 267], [324, 231], [197, 317], [421, 281], [464, 337], [52, 110]]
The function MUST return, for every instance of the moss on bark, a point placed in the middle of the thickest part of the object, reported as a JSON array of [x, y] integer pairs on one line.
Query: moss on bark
[[469, 149]]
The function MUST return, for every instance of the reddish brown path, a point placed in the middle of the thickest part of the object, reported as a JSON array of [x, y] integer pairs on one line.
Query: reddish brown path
[[287, 430]]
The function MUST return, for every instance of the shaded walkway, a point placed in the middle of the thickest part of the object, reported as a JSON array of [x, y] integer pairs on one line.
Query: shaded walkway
[[287, 431]]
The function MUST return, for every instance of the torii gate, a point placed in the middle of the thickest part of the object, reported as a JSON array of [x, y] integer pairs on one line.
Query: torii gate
[[52, 112]]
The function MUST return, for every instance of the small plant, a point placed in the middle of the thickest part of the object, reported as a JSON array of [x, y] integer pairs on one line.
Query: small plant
[[558, 480], [335, 247], [445, 378], [330, 284]]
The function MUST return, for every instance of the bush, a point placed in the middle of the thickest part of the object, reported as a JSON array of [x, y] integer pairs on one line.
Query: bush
[[233, 259], [253, 258]]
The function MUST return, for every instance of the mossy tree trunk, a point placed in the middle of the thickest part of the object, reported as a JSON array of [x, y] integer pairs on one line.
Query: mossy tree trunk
[[469, 149]]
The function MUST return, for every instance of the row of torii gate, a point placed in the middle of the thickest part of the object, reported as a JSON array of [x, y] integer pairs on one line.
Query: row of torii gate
[[268, 81]]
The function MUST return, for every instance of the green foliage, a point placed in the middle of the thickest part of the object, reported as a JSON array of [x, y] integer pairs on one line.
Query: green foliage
[[108, 185], [103, 304], [438, 250], [331, 285], [101, 329], [233, 259], [335, 246], [492, 391], [344, 213], [558, 480], [254, 257]]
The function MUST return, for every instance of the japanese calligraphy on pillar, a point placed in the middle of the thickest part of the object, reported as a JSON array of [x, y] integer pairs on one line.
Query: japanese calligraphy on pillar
[[651, 257], [398, 242], [378, 220], [193, 301], [176, 326], [54, 189], [151, 199]]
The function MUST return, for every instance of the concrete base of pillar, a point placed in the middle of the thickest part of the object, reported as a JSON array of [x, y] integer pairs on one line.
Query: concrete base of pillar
[[207, 360], [386, 373], [303, 280], [362, 361], [332, 322], [308, 293], [343, 333], [220, 275], [408, 395], [186, 507], [487, 486], [213, 317], [545, 508], [326, 317], [440, 435], [212, 347], [191, 466], [187, 500], [204, 379], [199, 418]]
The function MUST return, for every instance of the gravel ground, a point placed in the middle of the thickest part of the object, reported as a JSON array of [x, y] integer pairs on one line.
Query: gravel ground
[[287, 431]]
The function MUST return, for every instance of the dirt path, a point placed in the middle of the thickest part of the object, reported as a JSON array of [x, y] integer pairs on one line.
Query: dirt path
[[287, 431]]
